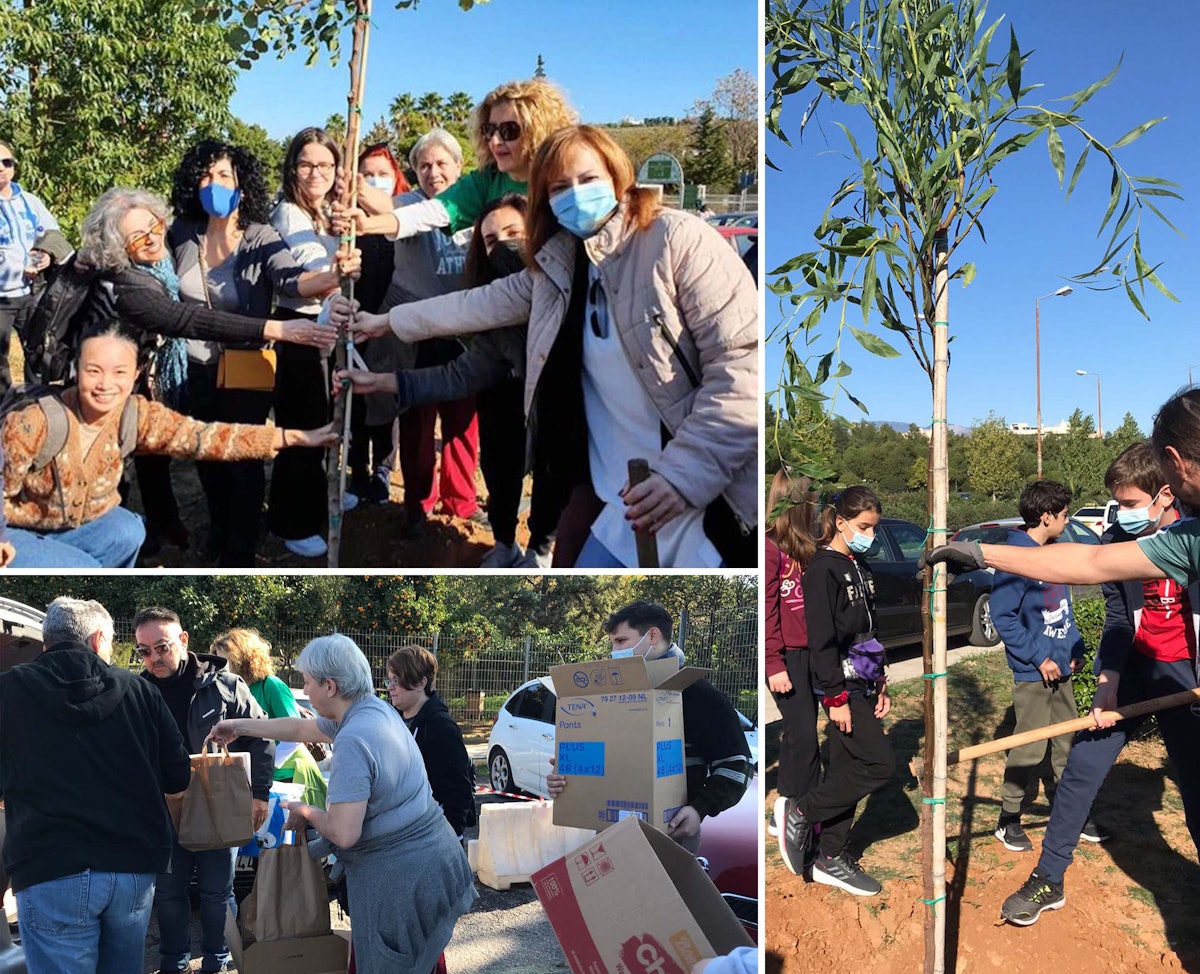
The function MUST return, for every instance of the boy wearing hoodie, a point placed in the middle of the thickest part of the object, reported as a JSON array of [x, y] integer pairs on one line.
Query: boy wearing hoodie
[[1044, 648], [83, 850]]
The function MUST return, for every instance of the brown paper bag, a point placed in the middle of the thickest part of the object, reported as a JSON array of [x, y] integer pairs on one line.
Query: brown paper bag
[[218, 812], [247, 368], [288, 898]]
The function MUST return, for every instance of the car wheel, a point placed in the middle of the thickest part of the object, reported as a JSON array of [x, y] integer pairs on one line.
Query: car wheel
[[983, 630], [500, 771]]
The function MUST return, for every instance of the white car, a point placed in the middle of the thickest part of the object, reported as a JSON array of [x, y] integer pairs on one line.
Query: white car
[[522, 740]]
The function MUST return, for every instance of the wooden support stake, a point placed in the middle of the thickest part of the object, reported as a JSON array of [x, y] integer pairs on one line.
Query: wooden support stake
[[647, 544]]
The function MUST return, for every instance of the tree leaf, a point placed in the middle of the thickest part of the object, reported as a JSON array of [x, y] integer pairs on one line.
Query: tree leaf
[[874, 344], [1078, 170], [1057, 155], [1013, 71], [857, 403], [1135, 134]]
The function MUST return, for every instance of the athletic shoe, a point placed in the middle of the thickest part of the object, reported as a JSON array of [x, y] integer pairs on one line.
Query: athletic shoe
[[1026, 904], [310, 547], [502, 556], [378, 490], [1012, 836], [349, 501], [797, 832], [844, 873], [1093, 832], [535, 559]]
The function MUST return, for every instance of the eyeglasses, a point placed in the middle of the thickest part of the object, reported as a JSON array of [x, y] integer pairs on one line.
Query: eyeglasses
[[142, 237], [393, 684], [159, 649], [308, 168], [8, 163], [508, 131]]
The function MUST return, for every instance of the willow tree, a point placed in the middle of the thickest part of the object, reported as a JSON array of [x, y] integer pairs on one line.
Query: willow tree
[[937, 111]]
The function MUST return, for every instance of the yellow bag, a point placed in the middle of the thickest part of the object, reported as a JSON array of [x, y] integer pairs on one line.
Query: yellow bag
[[247, 368]]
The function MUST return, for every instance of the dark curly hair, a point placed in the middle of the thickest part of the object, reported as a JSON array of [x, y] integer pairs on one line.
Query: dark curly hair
[[254, 206], [478, 271]]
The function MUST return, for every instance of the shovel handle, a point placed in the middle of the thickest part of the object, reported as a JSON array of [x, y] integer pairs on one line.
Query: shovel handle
[[647, 544]]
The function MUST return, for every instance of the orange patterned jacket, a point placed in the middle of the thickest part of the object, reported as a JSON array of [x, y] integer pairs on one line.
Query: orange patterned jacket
[[74, 489]]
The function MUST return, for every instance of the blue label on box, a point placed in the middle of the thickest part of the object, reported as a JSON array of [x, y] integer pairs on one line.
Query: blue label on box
[[581, 758], [669, 758]]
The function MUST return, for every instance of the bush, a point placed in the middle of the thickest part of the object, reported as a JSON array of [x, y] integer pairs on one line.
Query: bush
[[1089, 617], [960, 511]]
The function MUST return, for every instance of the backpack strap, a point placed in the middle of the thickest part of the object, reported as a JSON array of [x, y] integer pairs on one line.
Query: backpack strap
[[56, 431], [127, 436]]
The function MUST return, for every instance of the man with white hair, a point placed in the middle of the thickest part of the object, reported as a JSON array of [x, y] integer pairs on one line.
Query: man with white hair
[[83, 850]]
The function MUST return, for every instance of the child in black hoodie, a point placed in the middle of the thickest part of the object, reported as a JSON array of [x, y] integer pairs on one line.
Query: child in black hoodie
[[847, 665]]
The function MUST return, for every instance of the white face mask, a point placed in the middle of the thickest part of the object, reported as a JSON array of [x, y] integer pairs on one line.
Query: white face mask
[[386, 183]]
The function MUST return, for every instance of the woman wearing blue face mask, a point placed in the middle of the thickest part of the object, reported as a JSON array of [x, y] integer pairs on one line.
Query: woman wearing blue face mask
[[847, 669], [228, 257], [643, 342]]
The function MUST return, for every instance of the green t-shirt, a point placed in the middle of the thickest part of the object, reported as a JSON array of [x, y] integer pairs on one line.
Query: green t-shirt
[[1176, 550], [276, 698], [465, 200]]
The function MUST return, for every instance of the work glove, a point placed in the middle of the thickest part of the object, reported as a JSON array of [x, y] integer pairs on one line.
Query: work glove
[[957, 556]]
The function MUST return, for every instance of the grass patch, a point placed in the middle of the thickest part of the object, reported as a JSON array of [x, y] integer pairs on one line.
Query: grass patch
[[1143, 895]]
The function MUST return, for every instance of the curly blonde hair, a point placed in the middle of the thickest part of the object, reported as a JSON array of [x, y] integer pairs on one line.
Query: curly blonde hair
[[248, 653], [540, 106]]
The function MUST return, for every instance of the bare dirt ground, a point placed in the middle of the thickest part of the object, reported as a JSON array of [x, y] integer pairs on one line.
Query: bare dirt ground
[[1131, 902]]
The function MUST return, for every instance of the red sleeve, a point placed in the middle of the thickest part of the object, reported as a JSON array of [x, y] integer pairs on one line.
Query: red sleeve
[[774, 643]]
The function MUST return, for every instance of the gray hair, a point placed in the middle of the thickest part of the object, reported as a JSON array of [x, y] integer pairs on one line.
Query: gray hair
[[338, 658], [71, 620], [438, 136], [102, 245]]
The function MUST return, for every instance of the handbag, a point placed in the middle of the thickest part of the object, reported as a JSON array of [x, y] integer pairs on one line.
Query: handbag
[[866, 660], [218, 810], [252, 369], [288, 898]]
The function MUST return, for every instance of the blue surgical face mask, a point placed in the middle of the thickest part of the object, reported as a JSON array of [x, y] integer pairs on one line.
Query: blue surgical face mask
[[622, 653], [583, 209], [859, 543], [1137, 520], [386, 183], [218, 200]]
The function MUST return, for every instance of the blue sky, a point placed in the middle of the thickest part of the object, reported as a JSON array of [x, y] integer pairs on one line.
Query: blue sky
[[614, 58], [1035, 239]]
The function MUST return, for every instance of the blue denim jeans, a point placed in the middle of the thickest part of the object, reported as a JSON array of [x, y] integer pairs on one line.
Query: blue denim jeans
[[214, 882], [89, 923], [593, 554], [113, 540]]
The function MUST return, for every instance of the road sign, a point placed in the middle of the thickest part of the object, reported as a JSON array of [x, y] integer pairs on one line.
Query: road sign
[[661, 168]]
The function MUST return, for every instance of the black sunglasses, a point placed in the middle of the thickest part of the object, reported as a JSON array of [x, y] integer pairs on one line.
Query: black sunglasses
[[508, 131], [11, 163]]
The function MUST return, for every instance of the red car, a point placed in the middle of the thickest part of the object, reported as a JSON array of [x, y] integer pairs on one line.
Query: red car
[[729, 854]]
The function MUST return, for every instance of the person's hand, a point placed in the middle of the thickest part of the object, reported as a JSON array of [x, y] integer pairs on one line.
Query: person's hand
[[779, 682], [840, 716], [365, 326], [295, 820], [223, 732], [7, 553], [349, 261], [1105, 699], [883, 705], [301, 331], [39, 260], [957, 556], [1076, 664], [1050, 671], [322, 436], [652, 504], [342, 217], [556, 784], [685, 824], [363, 381], [260, 812]]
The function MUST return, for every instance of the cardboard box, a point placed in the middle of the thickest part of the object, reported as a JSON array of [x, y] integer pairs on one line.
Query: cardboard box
[[619, 739], [328, 954], [631, 901]]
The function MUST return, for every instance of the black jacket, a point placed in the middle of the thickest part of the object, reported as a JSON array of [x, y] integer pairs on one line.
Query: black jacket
[[716, 755], [86, 752], [451, 773], [839, 609]]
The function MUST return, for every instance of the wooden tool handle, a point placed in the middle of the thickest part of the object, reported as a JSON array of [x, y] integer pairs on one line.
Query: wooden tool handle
[[647, 544], [1071, 726]]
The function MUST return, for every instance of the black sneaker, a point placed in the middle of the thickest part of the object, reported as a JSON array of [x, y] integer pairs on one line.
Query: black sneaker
[[797, 832], [1013, 837], [844, 873], [1092, 832], [1026, 904]]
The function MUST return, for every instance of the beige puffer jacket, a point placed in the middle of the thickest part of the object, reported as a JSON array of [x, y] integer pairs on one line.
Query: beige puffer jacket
[[686, 311]]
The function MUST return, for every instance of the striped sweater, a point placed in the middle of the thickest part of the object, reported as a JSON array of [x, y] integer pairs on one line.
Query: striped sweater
[[75, 489]]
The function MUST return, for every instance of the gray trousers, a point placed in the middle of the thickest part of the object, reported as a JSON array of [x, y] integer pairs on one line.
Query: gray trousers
[[1037, 706]]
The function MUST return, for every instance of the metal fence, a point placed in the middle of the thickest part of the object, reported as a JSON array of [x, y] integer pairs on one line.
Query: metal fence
[[476, 676]]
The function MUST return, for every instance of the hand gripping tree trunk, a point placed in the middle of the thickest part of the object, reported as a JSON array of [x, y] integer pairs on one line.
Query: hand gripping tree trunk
[[335, 465]]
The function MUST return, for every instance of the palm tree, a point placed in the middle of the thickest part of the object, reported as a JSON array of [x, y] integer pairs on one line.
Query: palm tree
[[431, 106], [402, 106], [459, 107]]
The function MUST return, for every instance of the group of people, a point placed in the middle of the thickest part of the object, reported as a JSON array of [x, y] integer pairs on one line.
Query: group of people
[[821, 652], [596, 327]]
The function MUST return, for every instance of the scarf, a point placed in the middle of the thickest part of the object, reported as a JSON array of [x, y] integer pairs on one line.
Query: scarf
[[171, 360]]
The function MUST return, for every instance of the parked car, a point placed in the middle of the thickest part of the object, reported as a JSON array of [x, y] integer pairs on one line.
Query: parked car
[[996, 532], [1093, 517], [521, 743], [899, 590], [729, 854], [733, 219]]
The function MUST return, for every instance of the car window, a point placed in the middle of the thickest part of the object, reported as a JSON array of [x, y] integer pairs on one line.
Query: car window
[[909, 538], [535, 704], [997, 534], [1090, 512], [1080, 533]]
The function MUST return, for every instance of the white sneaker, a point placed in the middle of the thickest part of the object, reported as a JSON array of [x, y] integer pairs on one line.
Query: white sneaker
[[349, 501], [534, 559], [312, 547], [503, 556]]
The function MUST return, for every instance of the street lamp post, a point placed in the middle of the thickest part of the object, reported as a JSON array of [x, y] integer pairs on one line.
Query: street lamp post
[[1099, 415], [1062, 292]]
